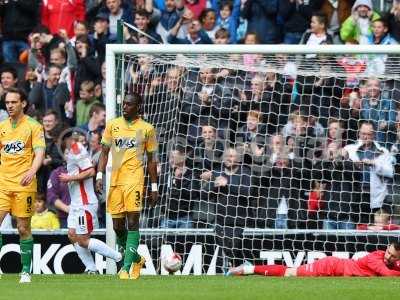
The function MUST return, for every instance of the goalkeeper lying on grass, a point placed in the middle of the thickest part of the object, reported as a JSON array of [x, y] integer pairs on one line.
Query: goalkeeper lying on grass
[[377, 263]]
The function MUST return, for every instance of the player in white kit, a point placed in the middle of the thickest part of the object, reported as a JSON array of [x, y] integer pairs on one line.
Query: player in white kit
[[82, 217]]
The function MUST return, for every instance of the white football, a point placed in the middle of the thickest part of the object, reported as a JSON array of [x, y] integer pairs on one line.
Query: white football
[[172, 262]]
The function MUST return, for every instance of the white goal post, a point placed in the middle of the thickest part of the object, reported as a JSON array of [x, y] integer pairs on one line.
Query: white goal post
[[120, 57]]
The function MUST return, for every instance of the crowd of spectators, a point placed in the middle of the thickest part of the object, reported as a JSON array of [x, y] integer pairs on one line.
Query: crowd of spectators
[[264, 150]]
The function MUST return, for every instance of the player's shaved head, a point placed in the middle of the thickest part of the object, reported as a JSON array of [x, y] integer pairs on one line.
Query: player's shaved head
[[131, 106]]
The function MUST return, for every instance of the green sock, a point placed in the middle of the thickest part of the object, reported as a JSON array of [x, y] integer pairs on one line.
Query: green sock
[[26, 254], [131, 254], [121, 239]]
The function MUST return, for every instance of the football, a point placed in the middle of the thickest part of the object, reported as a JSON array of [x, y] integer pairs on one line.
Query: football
[[172, 262]]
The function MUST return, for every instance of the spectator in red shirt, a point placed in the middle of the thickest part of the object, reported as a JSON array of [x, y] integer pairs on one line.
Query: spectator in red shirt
[[62, 14], [376, 263]]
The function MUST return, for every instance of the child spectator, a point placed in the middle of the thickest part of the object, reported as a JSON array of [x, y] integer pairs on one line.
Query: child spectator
[[358, 26], [228, 17], [222, 37], [317, 34], [43, 218], [85, 102], [380, 33]]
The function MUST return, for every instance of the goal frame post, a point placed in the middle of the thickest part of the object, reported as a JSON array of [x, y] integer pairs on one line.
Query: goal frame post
[[112, 50]]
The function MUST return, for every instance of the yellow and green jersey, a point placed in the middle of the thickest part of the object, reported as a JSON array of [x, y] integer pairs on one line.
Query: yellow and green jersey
[[128, 142], [18, 142]]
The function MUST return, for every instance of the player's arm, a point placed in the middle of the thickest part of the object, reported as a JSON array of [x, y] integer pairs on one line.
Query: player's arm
[[152, 169], [101, 167], [103, 159], [38, 146], [81, 176], [37, 162]]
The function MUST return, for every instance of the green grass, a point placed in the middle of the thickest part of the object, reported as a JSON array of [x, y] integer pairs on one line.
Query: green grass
[[53, 287]]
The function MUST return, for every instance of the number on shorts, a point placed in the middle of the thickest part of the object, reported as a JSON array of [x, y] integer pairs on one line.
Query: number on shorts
[[81, 221], [29, 204], [137, 200]]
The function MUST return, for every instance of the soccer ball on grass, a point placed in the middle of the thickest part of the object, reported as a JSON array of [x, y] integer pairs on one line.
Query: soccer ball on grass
[[172, 262]]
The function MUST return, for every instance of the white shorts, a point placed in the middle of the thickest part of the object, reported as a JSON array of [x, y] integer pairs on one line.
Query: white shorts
[[83, 218]]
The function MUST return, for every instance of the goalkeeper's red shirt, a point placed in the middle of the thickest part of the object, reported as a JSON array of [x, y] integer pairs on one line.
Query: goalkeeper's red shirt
[[370, 265]]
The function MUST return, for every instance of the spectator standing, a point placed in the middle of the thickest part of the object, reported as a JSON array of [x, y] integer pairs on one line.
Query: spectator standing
[[228, 17], [50, 94], [85, 103], [117, 10], [97, 118], [378, 108], [337, 11], [101, 36], [142, 22], [53, 159], [294, 17], [196, 34], [261, 16], [358, 26], [376, 166], [232, 186], [62, 14], [18, 18], [58, 195], [183, 193]]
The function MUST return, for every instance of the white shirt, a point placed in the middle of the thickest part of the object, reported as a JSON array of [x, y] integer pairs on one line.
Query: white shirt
[[82, 192], [114, 21]]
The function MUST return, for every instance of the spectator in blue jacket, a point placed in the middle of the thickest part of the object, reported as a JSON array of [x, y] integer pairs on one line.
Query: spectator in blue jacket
[[261, 16], [228, 16], [377, 107]]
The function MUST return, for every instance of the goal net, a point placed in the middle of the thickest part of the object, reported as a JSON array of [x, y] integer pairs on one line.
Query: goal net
[[268, 153]]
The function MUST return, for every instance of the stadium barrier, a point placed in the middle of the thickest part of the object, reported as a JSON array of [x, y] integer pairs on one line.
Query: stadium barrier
[[53, 254]]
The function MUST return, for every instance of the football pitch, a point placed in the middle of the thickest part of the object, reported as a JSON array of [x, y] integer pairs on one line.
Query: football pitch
[[97, 287]]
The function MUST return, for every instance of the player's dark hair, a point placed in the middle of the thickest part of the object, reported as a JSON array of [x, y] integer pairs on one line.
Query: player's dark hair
[[14, 90], [396, 246], [134, 97]]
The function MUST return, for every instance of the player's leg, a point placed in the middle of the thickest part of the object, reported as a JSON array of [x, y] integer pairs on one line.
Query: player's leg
[[26, 247], [5, 208], [132, 244], [22, 209], [3, 214], [93, 244], [83, 253], [133, 196], [115, 206]]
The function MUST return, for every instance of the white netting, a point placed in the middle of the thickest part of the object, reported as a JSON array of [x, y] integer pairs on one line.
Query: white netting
[[262, 152]]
